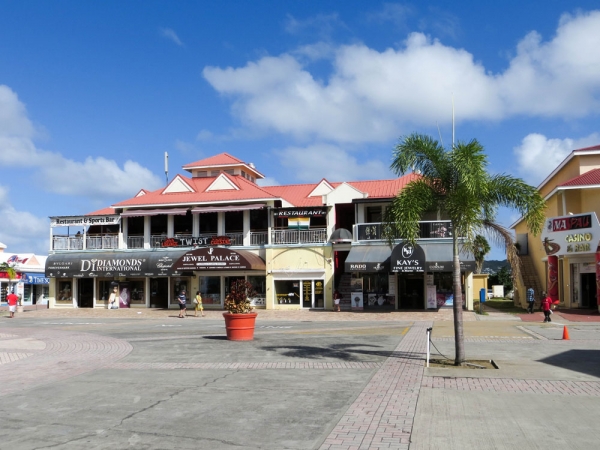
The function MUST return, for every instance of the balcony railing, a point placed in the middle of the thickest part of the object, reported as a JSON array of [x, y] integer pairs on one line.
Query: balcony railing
[[434, 229], [135, 241], [91, 242], [314, 236], [259, 238], [102, 242]]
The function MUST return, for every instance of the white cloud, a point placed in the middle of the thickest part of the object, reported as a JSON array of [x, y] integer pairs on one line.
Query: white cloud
[[268, 181], [538, 156], [22, 231], [171, 35], [94, 177], [314, 162], [374, 96]]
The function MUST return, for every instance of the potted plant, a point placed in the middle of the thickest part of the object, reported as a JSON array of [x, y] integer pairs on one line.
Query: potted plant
[[240, 316]]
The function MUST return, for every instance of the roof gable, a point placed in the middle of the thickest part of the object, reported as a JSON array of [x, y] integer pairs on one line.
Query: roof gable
[[222, 159], [344, 193], [178, 185], [222, 183], [323, 188]]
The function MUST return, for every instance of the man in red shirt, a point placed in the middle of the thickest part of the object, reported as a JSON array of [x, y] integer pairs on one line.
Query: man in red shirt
[[12, 303]]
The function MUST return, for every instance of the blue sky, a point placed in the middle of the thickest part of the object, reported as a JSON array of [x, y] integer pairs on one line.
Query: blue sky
[[93, 93]]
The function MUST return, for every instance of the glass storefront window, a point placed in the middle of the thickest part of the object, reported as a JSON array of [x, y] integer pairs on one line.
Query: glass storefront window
[[64, 294], [287, 292], [375, 288], [210, 289], [260, 287], [137, 292]]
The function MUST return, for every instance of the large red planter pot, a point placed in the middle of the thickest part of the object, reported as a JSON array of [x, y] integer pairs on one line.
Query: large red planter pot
[[240, 327]]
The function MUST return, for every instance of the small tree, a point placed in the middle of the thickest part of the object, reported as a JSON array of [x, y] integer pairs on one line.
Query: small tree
[[480, 249], [238, 299]]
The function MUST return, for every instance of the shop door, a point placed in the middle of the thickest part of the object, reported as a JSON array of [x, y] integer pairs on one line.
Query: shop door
[[588, 290], [85, 293], [159, 293], [411, 291]]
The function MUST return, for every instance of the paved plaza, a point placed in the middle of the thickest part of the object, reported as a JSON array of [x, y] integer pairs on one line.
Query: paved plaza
[[144, 379]]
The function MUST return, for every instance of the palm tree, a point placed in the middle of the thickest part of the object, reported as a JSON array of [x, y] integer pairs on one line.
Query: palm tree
[[457, 184], [9, 270], [480, 249]]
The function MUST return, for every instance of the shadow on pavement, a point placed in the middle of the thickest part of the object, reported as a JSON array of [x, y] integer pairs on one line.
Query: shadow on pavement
[[583, 361], [343, 352]]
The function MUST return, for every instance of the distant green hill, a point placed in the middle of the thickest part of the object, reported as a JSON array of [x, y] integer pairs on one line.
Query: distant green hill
[[493, 266]]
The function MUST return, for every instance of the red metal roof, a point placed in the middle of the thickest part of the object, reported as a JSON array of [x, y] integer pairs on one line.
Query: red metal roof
[[247, 191], [218, 160], [587, 149], [587, 179], [102, 212]]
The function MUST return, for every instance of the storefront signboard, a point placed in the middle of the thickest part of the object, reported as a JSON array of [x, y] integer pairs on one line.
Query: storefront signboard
[[195, 241], [571, 235], [407, 258], [112, 264], [218, 258], [84, 221], [35, 278], [447, 266], [300, 212]]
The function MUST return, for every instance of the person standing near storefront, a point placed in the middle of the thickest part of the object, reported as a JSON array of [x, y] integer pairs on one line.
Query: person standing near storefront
[[530, 300], [182, 299], [12, 300], [337, 297]]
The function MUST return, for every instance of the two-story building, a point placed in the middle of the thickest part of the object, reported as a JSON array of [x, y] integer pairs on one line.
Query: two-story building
[[294, 243], [565, 260]]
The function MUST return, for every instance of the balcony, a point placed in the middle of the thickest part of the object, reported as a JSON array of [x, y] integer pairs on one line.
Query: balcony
[[433, 229], [92, 242], [313, 236]]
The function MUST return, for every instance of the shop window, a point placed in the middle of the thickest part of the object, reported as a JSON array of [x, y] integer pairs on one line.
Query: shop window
[[135, 226], [287, 292], [260, 287], [210, 289], [65, 294], [375, 291], [137, 292], [158, 224]]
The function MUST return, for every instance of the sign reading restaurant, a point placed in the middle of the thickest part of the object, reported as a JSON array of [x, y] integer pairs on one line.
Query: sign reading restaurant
[[84, 221], [313, 211], [570, 235]]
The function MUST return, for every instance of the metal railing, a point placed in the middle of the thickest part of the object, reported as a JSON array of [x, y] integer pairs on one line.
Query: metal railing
[[314, 236], [259, 237], [135, 241], [67, 242], [102, 242], [429, 229]]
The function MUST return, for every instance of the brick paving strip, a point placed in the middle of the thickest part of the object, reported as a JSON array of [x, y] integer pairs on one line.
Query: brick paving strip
[[52, 355], [383, 413], [523, 386], [248, 365]]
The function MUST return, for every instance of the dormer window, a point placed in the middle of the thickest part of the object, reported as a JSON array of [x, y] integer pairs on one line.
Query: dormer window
[[215, 173], [229, 171], [202, 173]]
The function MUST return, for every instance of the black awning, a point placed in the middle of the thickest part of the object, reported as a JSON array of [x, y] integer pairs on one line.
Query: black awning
[[368, 258], [439, 258], [146, 263]]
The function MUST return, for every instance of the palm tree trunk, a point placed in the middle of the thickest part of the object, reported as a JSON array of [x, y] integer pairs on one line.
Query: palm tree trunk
[[459, 341]]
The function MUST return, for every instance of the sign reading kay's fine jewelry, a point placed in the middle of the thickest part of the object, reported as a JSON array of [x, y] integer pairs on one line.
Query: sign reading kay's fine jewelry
[[571, 235]]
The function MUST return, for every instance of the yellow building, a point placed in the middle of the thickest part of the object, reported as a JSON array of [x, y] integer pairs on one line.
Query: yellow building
[[563, 261]]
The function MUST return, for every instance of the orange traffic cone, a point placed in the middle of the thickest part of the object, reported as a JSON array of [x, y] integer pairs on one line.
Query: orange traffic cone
[[566, 334]]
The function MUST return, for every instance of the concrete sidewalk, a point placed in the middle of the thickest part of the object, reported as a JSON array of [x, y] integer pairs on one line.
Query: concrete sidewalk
[[322, 380]]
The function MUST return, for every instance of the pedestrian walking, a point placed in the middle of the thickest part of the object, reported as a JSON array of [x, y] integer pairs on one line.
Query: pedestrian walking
[[336, 300], [546, 307], [198, 304], [12, 300], [530, 300], [182, 299]]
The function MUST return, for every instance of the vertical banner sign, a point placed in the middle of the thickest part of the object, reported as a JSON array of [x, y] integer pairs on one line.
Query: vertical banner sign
[[598, 278], [553, 278]]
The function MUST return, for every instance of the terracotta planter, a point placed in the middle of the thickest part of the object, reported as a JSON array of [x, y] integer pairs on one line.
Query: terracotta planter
[[240, 327]]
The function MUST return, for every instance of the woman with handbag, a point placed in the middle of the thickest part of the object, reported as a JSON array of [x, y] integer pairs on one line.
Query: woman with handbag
[[198, 304]]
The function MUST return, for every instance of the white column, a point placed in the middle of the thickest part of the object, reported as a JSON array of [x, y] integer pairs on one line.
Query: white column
[[170, 225], [125, 232], [246, 228], [195, 225], [147, 231], [221, 224]]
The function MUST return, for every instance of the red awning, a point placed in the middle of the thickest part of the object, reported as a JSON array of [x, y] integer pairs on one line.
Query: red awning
[[154, 212], [208, 209]]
